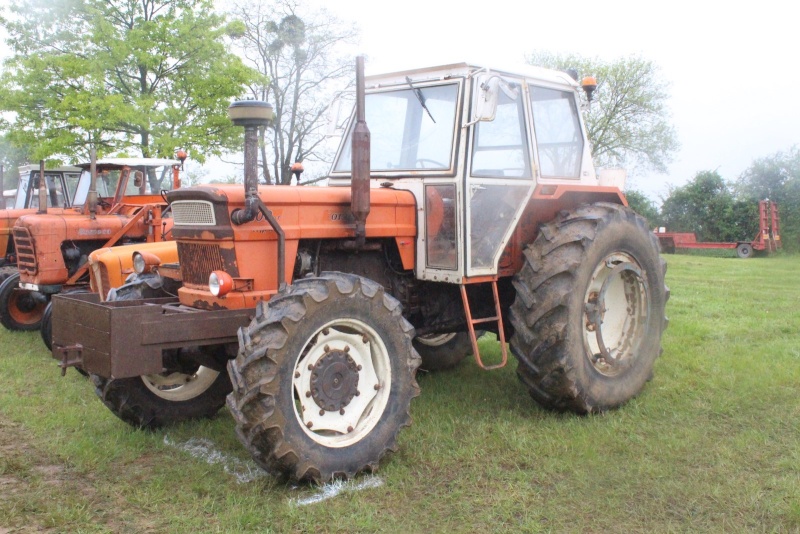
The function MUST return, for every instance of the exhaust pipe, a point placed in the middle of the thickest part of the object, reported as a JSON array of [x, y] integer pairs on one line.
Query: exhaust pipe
[[92, 196], [42, 189], [251, 114], [360, 164]]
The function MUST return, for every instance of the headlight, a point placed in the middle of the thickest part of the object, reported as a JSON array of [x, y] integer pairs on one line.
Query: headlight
[[220, 283], [144, 262]]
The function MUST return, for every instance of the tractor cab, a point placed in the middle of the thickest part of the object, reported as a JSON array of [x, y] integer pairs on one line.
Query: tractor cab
[[61, 182], [473, 144]]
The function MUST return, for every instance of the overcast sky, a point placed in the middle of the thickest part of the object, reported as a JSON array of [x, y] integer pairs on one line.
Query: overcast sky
[[732, 68]]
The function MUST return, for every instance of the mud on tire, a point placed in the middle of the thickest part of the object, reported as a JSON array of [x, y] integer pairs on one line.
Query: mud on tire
[[589, 309], [324, 378]]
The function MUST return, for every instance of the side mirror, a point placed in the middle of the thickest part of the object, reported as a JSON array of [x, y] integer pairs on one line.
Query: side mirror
[[138, 179], [485, 107]]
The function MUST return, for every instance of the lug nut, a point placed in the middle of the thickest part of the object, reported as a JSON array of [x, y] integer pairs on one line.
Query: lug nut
[[341, 411], [326, 348], [297, 374], [347, 348], [325, 331], [349, 429], [377, 387], [308, 394], [322, 412], [309, 424]]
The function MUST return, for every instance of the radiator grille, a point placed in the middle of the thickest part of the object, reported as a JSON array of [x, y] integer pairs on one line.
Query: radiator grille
[[26, 252], [193, 213], [197, 262]]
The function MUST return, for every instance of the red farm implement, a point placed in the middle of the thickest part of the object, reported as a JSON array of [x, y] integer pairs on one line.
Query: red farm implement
[[768, 238]]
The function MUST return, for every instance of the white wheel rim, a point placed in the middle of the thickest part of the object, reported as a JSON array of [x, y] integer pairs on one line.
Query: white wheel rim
[[176, 387], [353, 418], [617, 295]]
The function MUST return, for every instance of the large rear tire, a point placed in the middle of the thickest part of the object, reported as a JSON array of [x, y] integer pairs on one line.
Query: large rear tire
[[324, 378], [589, 310], [19, 309]]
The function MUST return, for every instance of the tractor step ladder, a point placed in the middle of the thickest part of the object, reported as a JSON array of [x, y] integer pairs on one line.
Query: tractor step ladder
[[472, 322]]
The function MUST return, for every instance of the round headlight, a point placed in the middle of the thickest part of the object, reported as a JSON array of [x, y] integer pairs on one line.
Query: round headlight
[[139, 263], [220, 283]]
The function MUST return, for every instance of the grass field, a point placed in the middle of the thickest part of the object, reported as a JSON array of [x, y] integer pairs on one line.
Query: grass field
[[712, 444]]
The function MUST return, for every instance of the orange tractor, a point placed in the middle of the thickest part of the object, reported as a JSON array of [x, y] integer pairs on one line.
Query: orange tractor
[[471, 202], [122, 202], [60, 188]]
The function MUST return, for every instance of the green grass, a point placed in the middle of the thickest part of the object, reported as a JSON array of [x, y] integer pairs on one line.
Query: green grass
[[710, 445]]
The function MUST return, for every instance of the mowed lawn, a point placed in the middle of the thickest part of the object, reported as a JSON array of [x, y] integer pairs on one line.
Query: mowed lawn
[[712, 443]]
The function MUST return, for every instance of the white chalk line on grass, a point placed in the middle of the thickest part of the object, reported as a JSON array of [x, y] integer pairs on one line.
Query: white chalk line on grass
[[204, 449], [245, 471], [332, 489]]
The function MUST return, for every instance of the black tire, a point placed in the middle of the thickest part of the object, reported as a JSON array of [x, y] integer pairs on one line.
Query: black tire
[[19, 310], [46, 329], [135, 401], [303, 336], [159, 400], [744, 250], [440, 352], [592, 273], [6, 271]]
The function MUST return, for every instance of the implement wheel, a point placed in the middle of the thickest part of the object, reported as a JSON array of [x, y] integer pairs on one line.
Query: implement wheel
[[19, 310], [589, 310], [744, 250], [324, 378]]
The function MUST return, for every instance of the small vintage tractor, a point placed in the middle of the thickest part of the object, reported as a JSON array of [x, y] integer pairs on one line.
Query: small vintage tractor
[[124, 202], [471, 201], [60, 187]]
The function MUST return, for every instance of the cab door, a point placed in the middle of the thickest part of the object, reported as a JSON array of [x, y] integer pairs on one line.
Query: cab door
[[501, 172]]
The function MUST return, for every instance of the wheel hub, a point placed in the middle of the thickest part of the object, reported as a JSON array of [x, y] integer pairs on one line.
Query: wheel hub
[[334, 380]]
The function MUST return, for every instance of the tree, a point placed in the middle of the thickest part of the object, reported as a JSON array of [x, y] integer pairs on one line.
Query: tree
[[641, 204], [123, 76], [707, 207], [301, 69], [777, 178], [628, 120]]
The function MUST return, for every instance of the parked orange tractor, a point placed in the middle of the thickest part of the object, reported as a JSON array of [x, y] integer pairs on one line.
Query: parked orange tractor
[[60, 188], [471, 201], [123, 203]]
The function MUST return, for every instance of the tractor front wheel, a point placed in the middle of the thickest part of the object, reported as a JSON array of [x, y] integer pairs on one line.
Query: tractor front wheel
[[153, 401], [324, 378], [19, 308], [589, 310]]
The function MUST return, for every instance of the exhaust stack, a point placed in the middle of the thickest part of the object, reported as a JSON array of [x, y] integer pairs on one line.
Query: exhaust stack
[[42, 189], [251, 114], [92, 196], [359, 182]]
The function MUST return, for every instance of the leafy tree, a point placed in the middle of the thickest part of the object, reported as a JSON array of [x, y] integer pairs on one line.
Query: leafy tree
[[706, 206], [628, 120], [641, 204], [123, 76], [296, 53], [777, 178]]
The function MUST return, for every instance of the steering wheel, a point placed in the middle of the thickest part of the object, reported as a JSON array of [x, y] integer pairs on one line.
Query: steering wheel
[[420, 164]]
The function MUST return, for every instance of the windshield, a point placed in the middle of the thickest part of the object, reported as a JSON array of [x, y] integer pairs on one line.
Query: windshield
[[404, 134], [150, 180]]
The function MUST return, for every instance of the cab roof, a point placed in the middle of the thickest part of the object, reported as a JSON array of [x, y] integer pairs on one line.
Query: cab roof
[[529, 72], [114, 163]]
